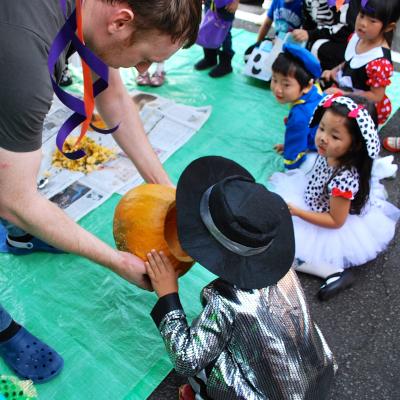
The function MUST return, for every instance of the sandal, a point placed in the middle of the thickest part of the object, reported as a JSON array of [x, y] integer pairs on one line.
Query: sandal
[[392, 144], [30, 358], [157, 79], [143, 79], [28, 244]]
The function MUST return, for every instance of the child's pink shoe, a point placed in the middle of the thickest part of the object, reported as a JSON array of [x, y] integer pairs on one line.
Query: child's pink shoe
[[143, 79], [157, 79]]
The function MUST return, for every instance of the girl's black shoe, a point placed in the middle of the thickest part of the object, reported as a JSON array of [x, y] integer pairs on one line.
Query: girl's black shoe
[[335, 283]]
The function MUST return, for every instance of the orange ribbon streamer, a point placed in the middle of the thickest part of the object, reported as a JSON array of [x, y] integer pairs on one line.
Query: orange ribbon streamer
[[339, 4], [88, 97]]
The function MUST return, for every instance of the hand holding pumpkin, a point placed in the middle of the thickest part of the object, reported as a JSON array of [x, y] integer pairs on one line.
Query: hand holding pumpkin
[[145, 219], [163, 276], [132, 269]]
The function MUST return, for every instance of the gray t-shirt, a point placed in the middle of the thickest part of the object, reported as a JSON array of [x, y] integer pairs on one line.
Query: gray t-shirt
[[27, 30]]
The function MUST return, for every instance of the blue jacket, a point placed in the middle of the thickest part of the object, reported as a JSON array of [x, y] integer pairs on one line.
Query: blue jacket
[[299, 137]]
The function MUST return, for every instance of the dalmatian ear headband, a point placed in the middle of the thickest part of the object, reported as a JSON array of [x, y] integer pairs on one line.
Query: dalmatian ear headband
[[356, 111]]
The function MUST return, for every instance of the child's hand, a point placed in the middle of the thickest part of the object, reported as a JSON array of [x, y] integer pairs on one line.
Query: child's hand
[[162, 274], [333, 90], [232, 7], [329, 75], [279, 148], [293, 209], [300, 35]]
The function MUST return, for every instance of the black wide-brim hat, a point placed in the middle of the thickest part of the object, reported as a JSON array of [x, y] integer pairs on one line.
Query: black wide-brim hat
[[245, 212]]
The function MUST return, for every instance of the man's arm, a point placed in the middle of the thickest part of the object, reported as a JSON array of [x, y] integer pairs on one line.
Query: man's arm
[[22, 205], [116, 107]]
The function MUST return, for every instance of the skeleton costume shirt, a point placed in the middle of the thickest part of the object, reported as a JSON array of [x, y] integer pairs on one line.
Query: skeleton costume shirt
[[328, 29], [258, 344]]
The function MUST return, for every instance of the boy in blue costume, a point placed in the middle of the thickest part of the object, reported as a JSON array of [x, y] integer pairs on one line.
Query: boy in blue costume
[[294, 73]]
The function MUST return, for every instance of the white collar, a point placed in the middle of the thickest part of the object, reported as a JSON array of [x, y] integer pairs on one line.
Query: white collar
[[359, 60]]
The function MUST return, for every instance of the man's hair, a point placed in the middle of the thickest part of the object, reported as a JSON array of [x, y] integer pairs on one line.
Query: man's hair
[[180, 19]]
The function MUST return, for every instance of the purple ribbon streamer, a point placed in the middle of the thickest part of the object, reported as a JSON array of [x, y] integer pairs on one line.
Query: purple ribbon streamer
[[61, 41], [332, 3], [366, 7]]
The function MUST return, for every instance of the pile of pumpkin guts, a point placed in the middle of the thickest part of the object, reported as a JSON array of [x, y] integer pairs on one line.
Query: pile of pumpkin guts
[[96, 155]]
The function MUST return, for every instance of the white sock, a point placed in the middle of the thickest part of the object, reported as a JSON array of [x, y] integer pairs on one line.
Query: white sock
[[322, 270]]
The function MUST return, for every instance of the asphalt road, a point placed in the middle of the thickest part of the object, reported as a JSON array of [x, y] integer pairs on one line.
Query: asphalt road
[[361, 325]]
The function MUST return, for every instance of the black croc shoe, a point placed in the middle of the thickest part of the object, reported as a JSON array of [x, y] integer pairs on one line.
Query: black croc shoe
[[335, 283]]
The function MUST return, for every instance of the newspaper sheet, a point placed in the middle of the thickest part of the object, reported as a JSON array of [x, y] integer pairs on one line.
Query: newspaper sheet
[[168, 125]]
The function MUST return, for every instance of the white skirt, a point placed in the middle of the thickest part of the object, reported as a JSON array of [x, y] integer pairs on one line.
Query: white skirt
[[361, 237]]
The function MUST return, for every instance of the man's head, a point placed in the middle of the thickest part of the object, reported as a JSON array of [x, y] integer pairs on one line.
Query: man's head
[[126, 33]]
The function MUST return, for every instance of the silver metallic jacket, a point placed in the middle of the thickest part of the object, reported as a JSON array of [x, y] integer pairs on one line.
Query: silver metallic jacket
[[248, 344]]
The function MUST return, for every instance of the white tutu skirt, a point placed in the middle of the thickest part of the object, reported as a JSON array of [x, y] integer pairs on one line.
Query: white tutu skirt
[[361, 237]]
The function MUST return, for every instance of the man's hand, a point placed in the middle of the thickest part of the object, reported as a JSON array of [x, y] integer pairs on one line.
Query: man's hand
[[162, 274], [300, 35], [279, 148], [132, 269]]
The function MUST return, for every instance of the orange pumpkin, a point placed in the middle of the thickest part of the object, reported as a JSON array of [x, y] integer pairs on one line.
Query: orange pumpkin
[[145, 219]]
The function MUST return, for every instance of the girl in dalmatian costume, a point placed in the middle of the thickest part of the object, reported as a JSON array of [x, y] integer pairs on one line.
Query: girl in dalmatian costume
[[340, 214], [368, 65]]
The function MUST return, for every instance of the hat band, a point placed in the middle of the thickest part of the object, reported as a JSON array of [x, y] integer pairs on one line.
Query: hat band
[[229, 244]]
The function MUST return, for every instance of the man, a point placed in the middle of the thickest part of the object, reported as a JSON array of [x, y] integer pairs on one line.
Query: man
[[121, 33]]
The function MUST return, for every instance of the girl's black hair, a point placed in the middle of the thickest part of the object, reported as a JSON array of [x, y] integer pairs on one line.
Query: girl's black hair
[[357, 156], [288, 65], [386, 11]]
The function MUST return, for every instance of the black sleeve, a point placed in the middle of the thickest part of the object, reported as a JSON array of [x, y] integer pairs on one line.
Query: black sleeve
[[307, 22], [164, 305]]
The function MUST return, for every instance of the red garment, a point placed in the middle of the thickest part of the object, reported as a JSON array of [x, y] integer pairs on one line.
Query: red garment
[[338, 193], [379, 72], [186, 392]]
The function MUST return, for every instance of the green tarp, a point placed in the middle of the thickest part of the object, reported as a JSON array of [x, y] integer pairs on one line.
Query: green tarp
[[99, 323]]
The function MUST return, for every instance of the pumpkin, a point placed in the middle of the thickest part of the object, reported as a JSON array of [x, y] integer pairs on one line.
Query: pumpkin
[[145, 219]]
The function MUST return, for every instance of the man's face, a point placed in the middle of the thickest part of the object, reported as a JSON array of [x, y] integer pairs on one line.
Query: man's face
[[139, 53]]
